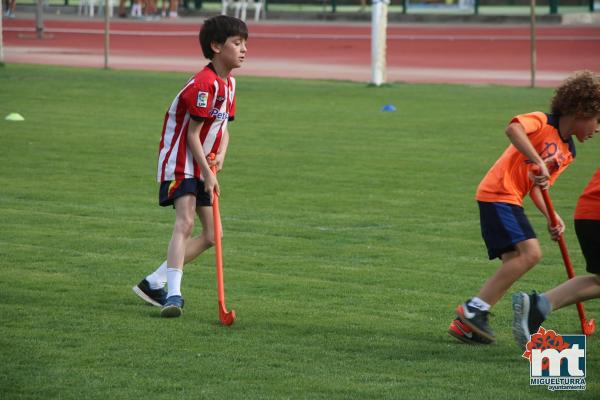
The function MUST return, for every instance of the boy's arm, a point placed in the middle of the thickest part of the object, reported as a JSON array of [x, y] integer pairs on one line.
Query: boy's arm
[[518, 137], [193, 141], [536, 197], [220, 157], [538, 200]]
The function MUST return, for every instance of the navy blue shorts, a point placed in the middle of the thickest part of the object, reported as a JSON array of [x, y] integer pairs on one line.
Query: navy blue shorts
[[172, 190], [503, 225], [588, 234]]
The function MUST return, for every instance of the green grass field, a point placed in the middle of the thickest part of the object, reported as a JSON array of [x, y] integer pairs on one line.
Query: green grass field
[[350, 236]]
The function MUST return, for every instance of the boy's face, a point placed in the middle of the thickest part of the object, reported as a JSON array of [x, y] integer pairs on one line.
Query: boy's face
[[231, 53], [585, 128]]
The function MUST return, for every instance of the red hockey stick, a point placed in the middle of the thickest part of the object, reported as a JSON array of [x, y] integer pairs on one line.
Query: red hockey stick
[[587, 326], [226, 317]]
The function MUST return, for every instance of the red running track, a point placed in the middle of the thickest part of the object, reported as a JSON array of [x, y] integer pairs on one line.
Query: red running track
[[416, 53]]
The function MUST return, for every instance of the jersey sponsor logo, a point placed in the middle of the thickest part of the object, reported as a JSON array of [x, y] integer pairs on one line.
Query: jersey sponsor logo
[[202, 100], [217, 114]]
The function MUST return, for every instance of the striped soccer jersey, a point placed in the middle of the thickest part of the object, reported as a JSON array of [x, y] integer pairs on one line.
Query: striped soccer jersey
[[205, 97]]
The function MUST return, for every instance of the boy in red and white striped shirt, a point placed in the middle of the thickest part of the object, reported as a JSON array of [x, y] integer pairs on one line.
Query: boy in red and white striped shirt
[[195, 125]]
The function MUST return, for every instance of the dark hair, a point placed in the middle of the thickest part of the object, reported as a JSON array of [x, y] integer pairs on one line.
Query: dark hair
[[579, 95], [217, 30]]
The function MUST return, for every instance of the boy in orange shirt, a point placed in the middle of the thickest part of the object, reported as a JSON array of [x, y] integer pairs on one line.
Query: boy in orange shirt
[[530, 311], [541, 142]]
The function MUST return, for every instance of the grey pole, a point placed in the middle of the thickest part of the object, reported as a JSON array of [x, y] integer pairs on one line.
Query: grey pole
[[106, 32], [39, 19], [1, 38], [532, 40]]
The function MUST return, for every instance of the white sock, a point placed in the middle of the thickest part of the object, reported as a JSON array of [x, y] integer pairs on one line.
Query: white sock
[[158, 279], [174, 276], [480, 304]]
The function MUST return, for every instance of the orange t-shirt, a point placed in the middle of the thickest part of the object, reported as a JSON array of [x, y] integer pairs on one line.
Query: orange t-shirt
[[588, 205], [508, 180]]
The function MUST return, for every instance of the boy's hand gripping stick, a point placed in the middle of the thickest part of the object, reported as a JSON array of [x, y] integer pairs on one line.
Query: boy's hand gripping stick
[[226, 317]]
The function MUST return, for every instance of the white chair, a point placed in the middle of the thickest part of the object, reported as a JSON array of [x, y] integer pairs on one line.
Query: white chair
[[225, 4], [257, 5], [240, 7], [87, 7]]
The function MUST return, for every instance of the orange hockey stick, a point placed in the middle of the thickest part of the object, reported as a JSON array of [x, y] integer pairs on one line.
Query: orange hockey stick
[[587, 326], [226, 317]]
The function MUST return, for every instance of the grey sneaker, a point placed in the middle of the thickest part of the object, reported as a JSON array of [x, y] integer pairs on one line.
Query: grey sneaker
[[527, 318]]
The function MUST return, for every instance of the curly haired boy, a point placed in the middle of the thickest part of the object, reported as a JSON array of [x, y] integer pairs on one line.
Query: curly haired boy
[[541, 148]]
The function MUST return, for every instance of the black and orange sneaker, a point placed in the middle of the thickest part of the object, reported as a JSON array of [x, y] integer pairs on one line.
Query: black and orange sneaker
[[476, 320], [463, 333]]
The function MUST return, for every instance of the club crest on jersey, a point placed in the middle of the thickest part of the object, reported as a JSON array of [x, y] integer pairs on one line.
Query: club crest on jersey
[[217, 114], [202, 101]]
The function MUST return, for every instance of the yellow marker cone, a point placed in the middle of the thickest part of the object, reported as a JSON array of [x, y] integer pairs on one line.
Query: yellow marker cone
[[14, 117]]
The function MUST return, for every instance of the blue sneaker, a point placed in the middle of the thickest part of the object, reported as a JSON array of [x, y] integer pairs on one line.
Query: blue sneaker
[[173, 307], [156, 297]]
